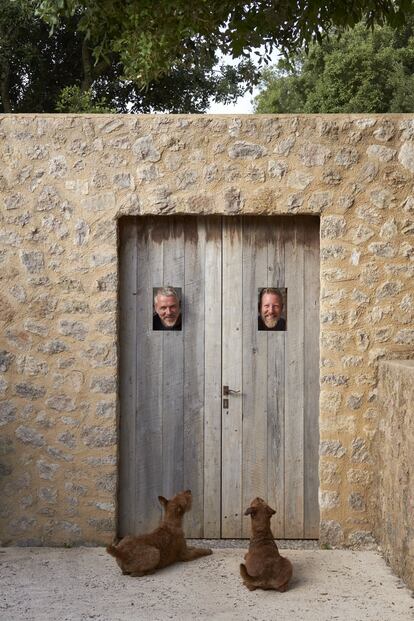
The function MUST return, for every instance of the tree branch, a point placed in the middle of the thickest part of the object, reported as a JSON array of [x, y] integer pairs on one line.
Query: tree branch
[[87, 67]]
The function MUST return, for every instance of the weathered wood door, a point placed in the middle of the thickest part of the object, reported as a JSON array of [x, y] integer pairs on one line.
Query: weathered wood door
[[177, 428]]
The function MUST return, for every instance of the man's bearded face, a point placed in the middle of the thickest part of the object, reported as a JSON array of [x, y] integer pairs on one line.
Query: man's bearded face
[[167, 308], [271, 309]]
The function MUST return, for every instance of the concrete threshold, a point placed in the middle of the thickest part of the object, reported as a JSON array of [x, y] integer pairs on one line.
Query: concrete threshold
[[282, 544], [78, 584]]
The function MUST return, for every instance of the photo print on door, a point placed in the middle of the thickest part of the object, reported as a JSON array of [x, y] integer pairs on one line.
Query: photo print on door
[[272, 309], [166, 308]]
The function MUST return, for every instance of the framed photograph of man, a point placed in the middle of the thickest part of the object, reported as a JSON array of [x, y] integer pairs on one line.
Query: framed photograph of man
[[166, 308], [272, 309]]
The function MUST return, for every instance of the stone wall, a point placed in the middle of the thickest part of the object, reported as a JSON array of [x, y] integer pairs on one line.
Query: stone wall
[[394, 454], [64, 182]]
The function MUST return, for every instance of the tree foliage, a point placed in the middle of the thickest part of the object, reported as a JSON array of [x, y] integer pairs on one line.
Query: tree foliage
[[157, 55], [73, 99], [38, 66], [360, 72], [34, 65], [152, 36]]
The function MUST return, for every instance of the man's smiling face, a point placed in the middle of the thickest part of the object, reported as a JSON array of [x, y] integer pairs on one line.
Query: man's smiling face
[[271, 309], [167, 308]]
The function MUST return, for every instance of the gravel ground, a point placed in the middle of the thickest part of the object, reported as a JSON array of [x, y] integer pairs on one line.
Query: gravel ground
[[57, 584]]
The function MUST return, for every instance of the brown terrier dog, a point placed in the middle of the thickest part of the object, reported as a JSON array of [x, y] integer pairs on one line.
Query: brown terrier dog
[[265, 568], [142, 555]]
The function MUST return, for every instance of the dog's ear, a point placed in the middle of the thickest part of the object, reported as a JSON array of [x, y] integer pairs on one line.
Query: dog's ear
[[163, 501], [270, 511], [251, 511]]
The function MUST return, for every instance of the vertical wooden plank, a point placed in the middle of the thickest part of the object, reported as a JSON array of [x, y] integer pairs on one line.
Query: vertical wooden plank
[[148, 442], [311, 379], [276, 386], [255, 350], [194, 357], [232, 377], [212, 365], [127, 373], [294, 387], [173, 368]]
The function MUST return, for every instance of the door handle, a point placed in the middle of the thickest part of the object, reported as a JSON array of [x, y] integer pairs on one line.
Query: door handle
[[229, 391]]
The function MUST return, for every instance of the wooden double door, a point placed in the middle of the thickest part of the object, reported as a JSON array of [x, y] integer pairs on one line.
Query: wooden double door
[[219, 407]]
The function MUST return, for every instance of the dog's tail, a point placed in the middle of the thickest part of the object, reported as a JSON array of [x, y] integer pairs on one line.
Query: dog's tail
[[243, 572], [113, 551]]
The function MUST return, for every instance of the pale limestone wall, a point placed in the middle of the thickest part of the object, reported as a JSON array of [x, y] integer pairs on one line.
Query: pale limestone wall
[[64, 182], [394, 453]]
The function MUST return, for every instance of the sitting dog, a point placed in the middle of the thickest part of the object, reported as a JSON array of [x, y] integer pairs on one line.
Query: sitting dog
[[264, 568], [144, 554]]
